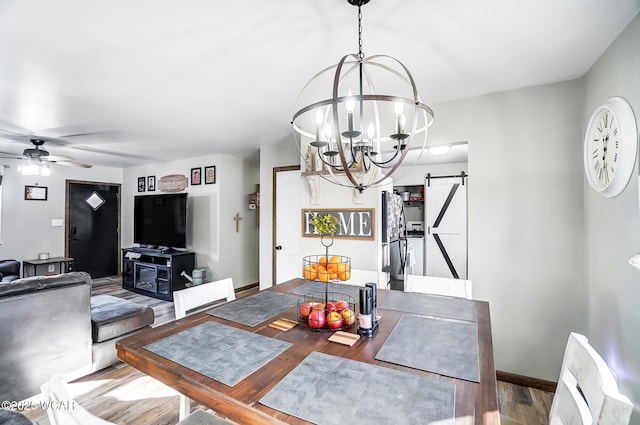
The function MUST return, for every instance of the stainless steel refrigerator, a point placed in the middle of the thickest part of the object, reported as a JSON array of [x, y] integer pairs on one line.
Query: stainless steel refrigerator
[[394, 240]]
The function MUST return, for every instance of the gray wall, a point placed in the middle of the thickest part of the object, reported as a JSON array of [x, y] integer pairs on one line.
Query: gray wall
[[525, 217], [612, 228], [26, 225], [212, 234]]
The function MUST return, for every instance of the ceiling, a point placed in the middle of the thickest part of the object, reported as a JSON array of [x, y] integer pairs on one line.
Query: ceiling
[[159, 80]]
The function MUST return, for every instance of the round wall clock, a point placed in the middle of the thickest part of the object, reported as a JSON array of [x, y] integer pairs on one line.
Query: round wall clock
[[610, 147]]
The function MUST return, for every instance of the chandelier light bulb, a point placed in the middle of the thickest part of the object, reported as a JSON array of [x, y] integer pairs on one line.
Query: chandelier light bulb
[[328, 132], [371, 131], [350, 104]]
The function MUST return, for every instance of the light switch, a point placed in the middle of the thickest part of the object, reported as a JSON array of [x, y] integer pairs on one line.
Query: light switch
[[57, 222]]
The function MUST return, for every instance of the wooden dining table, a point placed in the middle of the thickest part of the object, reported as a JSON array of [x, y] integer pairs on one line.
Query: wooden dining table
[[475, 402]]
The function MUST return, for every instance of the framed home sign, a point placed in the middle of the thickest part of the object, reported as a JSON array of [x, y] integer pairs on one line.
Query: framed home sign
[[35, 193], [355, 223]]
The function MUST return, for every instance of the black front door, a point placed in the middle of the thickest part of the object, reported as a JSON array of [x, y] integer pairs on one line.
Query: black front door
[[93, 227]]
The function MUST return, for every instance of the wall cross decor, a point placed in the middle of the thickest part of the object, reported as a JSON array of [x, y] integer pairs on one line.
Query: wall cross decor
[[237, 218]]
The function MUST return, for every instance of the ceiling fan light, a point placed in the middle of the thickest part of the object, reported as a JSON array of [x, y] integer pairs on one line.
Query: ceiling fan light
[[30, 169], [45, 171]]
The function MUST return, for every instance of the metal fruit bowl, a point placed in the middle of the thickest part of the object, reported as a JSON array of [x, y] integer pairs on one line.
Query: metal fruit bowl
[[324, 268], [324, 299]]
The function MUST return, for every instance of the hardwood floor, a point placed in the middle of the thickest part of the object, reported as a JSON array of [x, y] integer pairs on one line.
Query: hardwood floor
[[125, 396]]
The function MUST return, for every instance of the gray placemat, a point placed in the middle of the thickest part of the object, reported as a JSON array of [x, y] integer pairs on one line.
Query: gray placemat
[[434, 345], [429, 305], [253, 310], [218, 351], [328, 390], [318, 287]]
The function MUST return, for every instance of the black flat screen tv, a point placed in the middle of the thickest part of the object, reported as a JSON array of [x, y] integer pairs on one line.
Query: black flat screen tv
[[160, 220]]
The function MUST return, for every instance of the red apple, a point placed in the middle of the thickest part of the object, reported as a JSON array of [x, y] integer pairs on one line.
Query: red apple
[[317, 306], [317, 319], [341, 305], [305, 309], [331, 307], [348, 316], [334, 320]]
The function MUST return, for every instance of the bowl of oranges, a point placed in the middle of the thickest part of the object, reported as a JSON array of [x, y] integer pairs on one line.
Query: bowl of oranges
[[323, 268]]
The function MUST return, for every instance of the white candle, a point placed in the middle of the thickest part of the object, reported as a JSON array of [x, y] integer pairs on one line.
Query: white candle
[[371, 132], [319, 118], [399, 108], [350, 105]]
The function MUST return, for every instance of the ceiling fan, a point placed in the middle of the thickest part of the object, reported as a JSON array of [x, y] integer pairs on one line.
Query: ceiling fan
[[37, 154]]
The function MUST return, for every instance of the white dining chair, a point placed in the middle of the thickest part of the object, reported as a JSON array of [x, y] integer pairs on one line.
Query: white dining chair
[[189, 299], [193, 299], [64, 410], [587, 392], [460, 288]]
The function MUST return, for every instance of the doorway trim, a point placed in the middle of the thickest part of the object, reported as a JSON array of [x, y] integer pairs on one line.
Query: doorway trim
[[66, 215], [274, 213]]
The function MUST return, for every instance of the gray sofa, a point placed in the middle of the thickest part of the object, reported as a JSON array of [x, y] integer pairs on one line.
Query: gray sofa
[[48, 325], [9, 270]]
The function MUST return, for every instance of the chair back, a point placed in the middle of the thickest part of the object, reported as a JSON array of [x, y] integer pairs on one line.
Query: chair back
[[197, 296], [587, 391], [460, 288], [62, 409]]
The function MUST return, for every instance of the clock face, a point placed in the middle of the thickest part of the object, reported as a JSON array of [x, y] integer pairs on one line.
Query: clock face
[[610, 146], [603, 147]]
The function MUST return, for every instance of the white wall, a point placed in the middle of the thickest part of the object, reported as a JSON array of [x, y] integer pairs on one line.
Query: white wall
[[525, 218], [212, 233], [26, 225], [612, 228]]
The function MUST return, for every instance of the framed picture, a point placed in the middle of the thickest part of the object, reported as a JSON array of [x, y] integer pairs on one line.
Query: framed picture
[[196, 176], [35, 193], [151, 183], [141, 184], [210, 174]]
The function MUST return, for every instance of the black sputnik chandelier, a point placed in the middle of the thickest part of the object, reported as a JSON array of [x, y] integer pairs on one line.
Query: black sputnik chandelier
[[360, 134]]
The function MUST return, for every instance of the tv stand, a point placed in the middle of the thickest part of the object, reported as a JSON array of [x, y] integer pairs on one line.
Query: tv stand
[[154, 272]]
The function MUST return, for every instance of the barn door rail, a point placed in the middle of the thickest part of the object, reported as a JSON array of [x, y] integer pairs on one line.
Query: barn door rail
[[462, 175]]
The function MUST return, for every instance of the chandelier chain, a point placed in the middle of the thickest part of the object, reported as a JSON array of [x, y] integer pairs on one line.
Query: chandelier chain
[[360, 53]]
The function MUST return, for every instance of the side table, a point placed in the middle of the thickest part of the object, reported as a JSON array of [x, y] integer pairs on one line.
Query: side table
[[34, 267]]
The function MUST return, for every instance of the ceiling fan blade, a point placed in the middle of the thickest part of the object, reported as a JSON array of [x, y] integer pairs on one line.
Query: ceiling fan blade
[[58, 158], [71, 164], [15, 129], [90, 133], [7, 135], [10, 156]]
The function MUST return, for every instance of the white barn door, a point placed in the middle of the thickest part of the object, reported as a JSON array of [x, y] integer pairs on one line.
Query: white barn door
[[445, 210]]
